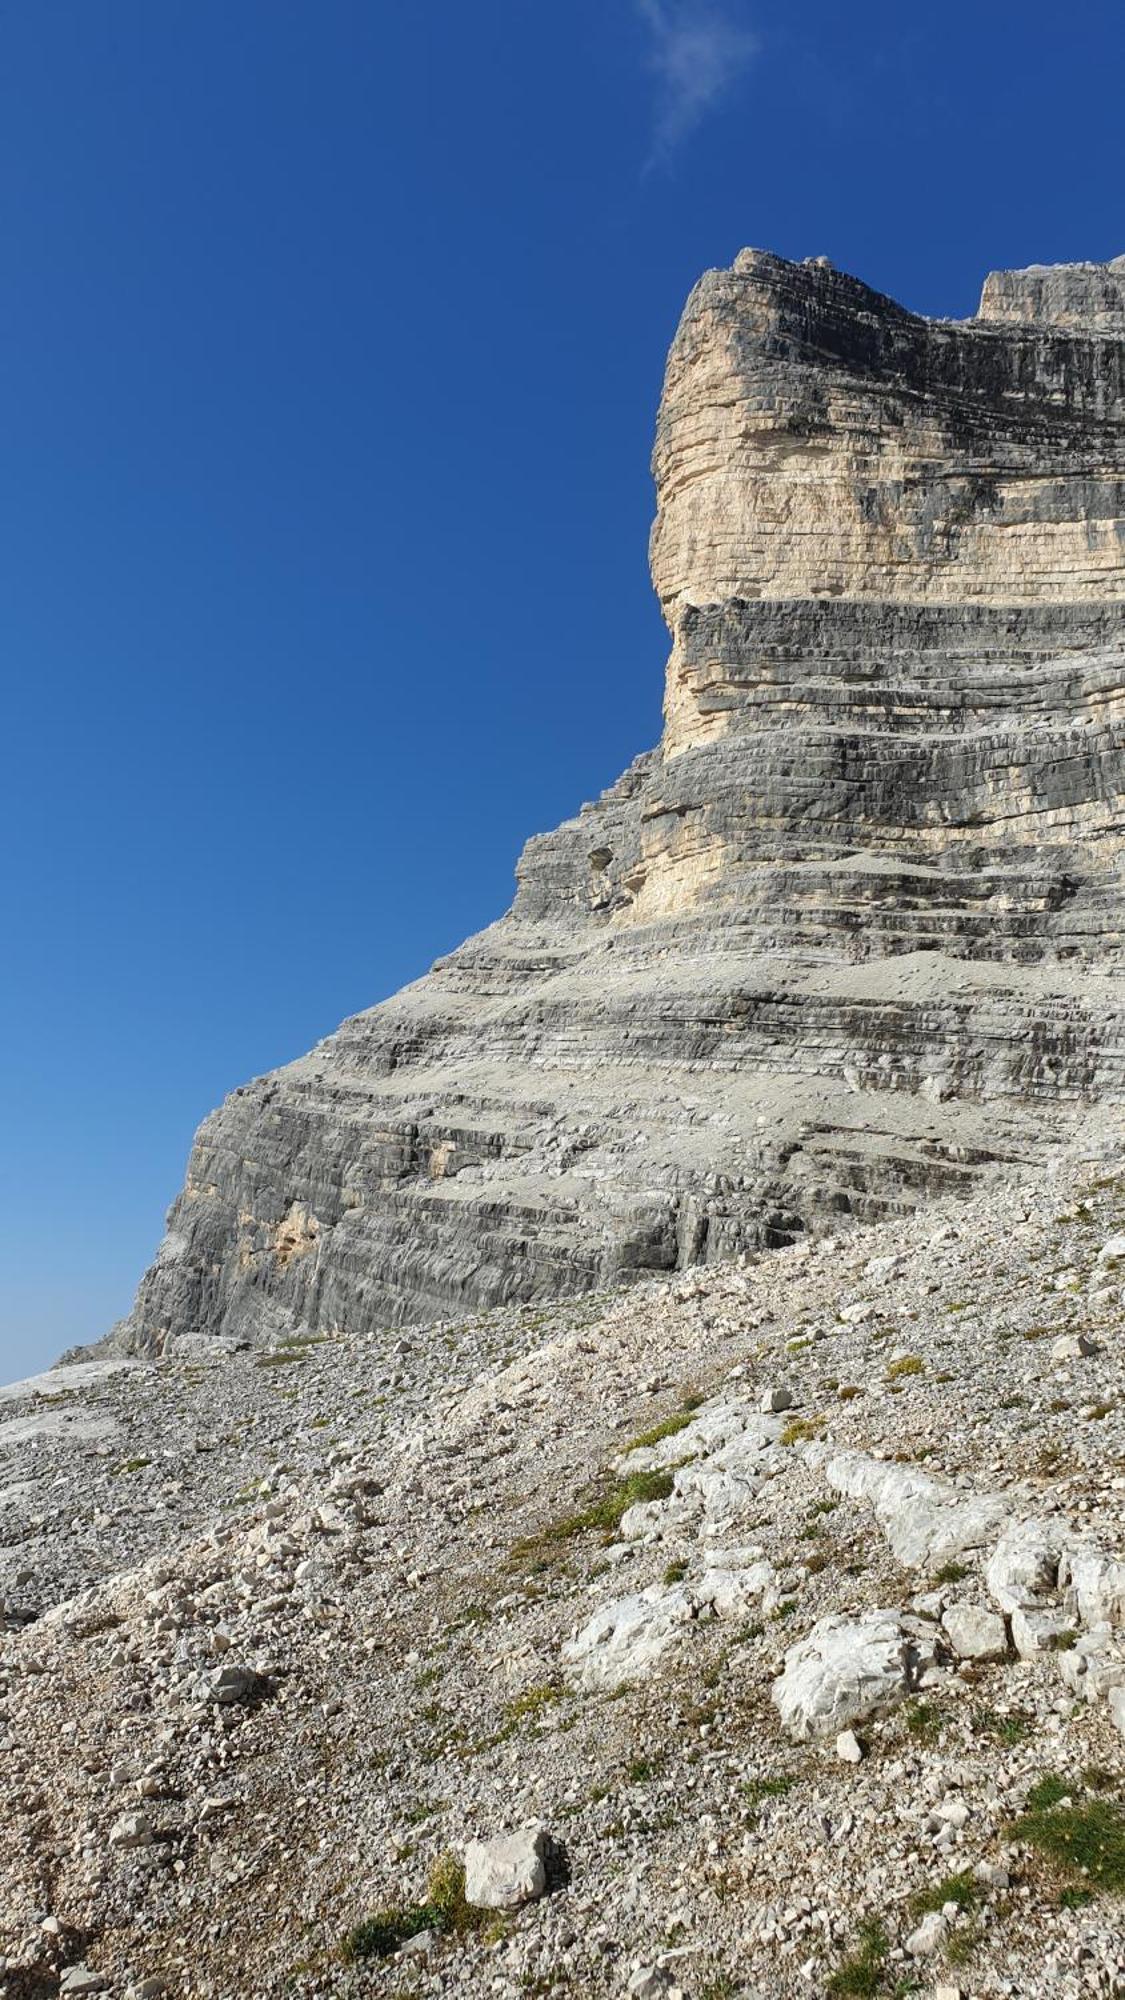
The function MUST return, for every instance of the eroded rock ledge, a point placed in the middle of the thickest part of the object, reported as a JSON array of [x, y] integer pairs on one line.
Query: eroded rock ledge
[[849, 936]]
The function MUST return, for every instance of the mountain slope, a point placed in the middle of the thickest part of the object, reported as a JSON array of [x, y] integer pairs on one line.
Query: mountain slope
[[850, 935]]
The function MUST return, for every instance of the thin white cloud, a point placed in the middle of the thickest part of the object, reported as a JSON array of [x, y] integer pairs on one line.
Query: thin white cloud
[[698, 51]]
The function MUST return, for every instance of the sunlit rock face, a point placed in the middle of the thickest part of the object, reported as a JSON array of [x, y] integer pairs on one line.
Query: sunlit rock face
[[851, 935]]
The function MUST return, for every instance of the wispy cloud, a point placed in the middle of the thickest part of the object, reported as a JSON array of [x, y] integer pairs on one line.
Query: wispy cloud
[[698, 51]]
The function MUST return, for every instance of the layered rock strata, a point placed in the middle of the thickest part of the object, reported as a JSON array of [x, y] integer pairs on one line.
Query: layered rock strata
[[851, 934]]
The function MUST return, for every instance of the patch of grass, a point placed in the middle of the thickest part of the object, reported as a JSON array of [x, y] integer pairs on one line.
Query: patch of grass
[[924, 1723], [609, 1501], [757, 1790], [848, 1393], [962, 1944], [1099, 1411], [952, 1572], [1008, 1729], [862, 1973], [445, 1909], [799, 1429], [642, 1770], [906, 1364], [960, 1889], [1048, 1792], [675, 1572], [1084, 1838], [529, 1705], [670, 1426]]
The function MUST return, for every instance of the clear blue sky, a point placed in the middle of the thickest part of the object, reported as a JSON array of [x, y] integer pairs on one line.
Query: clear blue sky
[[331, 337]]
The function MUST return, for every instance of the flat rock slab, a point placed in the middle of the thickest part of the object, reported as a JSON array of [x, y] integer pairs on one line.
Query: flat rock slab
[[65, 1423], [64, 1381]]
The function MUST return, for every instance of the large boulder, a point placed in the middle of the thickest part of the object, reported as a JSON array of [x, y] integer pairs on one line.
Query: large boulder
[[846, 1668]]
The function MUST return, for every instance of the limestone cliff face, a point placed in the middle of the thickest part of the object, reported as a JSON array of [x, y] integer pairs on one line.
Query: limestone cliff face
[[853, 932]]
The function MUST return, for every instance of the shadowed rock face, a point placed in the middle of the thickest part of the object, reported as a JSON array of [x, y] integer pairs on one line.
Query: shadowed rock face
[[850, 935]]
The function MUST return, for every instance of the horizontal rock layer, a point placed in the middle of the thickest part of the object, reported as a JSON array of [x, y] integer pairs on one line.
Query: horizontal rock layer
[[851, 934]]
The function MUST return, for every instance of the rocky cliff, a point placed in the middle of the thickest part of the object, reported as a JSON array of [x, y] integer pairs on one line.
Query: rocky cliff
[[851, 934]]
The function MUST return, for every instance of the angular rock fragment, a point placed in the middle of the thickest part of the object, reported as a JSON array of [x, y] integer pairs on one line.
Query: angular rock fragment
[[975, 1633], [846, 1668], [506, 1871]]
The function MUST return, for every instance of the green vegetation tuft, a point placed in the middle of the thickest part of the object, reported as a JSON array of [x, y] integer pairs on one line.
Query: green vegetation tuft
[[862, 1973], [952, 1572], [960, 1889], [445, 1909], [529, 1705], [1083, 1837], [757, 1790], [801, 1428], [1048, 1792], [610, 1500], [923, 1722], [668, 1429]]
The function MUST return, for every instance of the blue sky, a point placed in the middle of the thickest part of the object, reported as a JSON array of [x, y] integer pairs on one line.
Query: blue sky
[[331, 338]]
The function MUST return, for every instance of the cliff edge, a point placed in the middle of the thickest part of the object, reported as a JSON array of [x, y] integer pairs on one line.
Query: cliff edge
[[849, 937]]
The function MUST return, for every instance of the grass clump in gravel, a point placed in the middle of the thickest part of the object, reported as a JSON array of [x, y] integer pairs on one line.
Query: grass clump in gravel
[[690, 1402], [678, 1421], [445, 1909], [757, 1790], [799, 1429], [924, 1723], [952, 1572], [1008, 1729], [906, 1364], [1084, 1837], [529, 1705], [863, 1971], [960, 1889], [609, 1501]]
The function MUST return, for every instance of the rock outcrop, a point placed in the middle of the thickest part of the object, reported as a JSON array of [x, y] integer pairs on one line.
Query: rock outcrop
[[849, 936]]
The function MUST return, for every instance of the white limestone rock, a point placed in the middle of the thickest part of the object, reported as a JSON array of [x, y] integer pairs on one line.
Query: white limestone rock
[[507, 1871], [845, 1669], [1024, 1566], [1035, 1632], [625, 1639], [974, 1632], [929, 1936], [926, 1521]]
